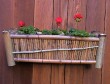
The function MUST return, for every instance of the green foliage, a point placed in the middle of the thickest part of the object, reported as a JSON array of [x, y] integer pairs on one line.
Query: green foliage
[[71, 32], [27, 30], [56, 32], [64, 31], [80, 33], [46, 32]]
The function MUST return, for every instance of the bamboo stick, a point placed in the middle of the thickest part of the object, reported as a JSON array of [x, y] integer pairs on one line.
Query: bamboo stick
[[52, 46], [40, 47], [55, 61], [15, 48], [36, 47], [46, 55], [65, 52], [49, 47], [100, 53], [91, 52], [57, 56], [60, 55], [31, 48], [95, 50], [55, 37], [70, 46], [8, 47], [23, 47], [77, 52], [82, 51], [68, 53], [73, 51], [62, 52]]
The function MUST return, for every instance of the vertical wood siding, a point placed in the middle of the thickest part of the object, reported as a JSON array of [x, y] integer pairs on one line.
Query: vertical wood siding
[[42, 14]]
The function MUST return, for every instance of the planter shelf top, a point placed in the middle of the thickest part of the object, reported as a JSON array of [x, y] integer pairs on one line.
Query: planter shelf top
[[55, 37], [52, 48]]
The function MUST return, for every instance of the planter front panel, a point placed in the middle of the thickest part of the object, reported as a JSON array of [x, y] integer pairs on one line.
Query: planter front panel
[[54, 49]]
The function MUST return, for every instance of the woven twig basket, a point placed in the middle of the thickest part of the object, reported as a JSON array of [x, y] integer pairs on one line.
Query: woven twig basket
[[52, 48]]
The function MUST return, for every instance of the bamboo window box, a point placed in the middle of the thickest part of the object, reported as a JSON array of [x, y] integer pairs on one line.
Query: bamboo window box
[[52, 49]]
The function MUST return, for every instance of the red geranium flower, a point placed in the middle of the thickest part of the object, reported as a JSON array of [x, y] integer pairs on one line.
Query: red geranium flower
[[78, 17], [58, 21], [21, 23]]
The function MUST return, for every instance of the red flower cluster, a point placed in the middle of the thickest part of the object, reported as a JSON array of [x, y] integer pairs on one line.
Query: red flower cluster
[[21, 23], [78, 17], [58, 21]]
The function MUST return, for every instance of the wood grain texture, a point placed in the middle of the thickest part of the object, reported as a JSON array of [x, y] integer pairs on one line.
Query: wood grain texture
[[22, 73], [6, 14], [74, 74], [57, 74], [41, 74], [92, 75], [106, 65], [43, 14], [94, 22], [60, 10], [24, 11], [72, 10], [6, 22], [95, 15]]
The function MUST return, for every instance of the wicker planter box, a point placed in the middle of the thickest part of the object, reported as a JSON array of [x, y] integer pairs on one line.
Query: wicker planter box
[[52, 48]]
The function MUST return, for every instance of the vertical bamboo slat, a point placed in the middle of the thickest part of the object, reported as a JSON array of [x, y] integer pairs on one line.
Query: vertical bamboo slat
[[16, 48], [8, 47]]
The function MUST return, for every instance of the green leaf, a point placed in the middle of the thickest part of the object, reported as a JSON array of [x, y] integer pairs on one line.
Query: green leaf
[[46, 32], [27, 30]]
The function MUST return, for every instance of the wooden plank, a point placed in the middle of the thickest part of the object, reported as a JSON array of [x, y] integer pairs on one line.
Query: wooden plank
[[6, 22], [72, 6], [57, 75], [94, 22], [43, 14], [95, 15], [24, 10], [60, 10], [41, 74], [74, 74], [6, 10], [106, 65], [92, 75], [23, 73]]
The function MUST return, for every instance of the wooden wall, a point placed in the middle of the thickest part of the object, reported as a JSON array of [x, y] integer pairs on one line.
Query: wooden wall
[[42, 14]]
